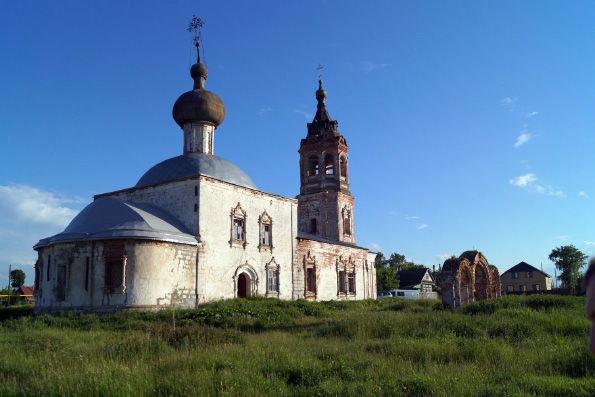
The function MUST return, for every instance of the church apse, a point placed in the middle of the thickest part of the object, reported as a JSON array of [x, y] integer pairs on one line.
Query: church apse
[[468, 278]]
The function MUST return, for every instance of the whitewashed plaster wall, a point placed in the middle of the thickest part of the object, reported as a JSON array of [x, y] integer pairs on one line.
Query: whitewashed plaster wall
[[155, 272], [220, 259]]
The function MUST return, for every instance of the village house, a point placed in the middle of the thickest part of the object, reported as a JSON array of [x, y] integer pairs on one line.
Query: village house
[[523, 277]]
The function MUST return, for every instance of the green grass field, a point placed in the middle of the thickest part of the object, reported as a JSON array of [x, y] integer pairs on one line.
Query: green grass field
[[533, 345]]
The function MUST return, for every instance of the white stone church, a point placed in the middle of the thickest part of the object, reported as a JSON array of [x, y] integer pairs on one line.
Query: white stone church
[[195, 229]]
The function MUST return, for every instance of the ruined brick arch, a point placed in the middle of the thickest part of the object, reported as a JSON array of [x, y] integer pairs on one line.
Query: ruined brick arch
[[468, 278], [481, 282], [495, 290], [465, 283]]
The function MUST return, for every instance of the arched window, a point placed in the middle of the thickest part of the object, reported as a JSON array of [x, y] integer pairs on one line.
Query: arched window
[[312, 229], [343, 168], [346, 221], [312, 165], [329, 164]]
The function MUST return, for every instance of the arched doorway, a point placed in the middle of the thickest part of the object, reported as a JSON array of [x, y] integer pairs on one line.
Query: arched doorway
[[244, 286]]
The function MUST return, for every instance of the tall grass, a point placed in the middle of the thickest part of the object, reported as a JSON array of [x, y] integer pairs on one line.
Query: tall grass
[[512, 346]]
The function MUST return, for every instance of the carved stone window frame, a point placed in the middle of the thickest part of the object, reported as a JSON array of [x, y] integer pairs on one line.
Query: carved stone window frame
[[237, 213], [310, 264], [265, 220], [346, 272], [272, 266]]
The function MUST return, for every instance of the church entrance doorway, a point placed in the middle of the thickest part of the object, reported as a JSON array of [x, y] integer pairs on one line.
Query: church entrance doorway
[[244, 286]]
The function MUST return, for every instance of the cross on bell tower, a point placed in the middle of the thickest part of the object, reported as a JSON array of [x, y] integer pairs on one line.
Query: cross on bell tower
[[325, 203]]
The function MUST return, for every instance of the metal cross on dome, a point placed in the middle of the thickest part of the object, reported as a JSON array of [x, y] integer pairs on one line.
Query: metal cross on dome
[[319, 68], [195, 25]]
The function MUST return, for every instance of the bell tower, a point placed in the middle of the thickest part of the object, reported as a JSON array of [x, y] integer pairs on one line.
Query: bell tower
[[325, 204]]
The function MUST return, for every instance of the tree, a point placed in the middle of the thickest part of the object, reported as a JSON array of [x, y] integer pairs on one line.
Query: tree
[[386, 279], [380, 260], [411, 265], [568, 260], [396, 260], [17, 278]]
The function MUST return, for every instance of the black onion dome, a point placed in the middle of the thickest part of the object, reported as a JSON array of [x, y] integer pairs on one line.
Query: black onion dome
[[199, 104]]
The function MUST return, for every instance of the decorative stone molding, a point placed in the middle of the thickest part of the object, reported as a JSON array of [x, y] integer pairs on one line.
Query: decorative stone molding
[[238, 227], [310, 276], [265, 234], [273, 288], [249, 270]]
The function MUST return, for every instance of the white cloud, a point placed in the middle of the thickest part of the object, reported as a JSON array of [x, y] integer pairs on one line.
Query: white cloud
[[393, 212], [528, 115], [374, 247], [22, 203], [373, 66], [583, 194], [264, 111], [559, 238], [28, 214], [422, 226], [307, 116], [523, 180], [521, 139], [442, 257], [508, 101], [527, 182], [590, 243], [412, 217]]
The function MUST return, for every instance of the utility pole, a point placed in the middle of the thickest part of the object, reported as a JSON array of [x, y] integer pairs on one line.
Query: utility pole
[[9, 271]]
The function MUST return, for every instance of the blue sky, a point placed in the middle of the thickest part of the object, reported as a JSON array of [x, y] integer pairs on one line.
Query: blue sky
[[470, 124]]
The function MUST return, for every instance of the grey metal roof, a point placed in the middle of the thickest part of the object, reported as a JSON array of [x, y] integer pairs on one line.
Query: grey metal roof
[[193, 164], [109, 218]]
